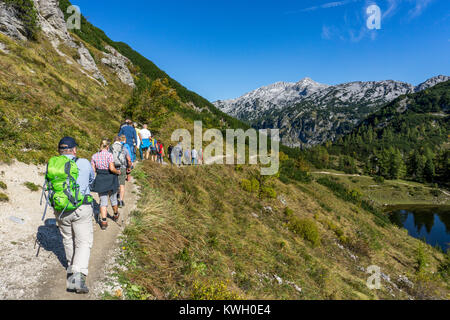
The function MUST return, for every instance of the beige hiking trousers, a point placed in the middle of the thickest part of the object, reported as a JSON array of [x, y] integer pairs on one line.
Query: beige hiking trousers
[[77, 231]]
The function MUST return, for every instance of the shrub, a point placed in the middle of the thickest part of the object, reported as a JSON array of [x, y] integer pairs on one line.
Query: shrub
[[358, 246], [213, 291], [246, 185], [435, 192], [268, 192], [421, 259], [3, 197], [255, 185], [378, 179], [306, 228], [30, 185], [3, 185], [444, 267], [288, 212]]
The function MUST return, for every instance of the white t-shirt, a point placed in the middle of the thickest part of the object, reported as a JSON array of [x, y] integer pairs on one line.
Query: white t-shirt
[[145, 134], [194, 153]]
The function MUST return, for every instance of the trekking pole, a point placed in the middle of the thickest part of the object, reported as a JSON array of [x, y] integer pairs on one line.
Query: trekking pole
[[46, 201]]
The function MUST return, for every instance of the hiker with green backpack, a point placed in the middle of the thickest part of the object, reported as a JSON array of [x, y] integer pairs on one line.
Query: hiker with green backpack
[[67, 182]]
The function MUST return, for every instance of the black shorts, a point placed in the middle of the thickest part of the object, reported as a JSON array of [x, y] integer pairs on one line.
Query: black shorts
[[153, 152]]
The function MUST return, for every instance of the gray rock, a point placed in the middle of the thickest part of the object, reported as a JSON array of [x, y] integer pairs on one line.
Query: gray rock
[[118, 63], [3, 48], [88, 63], [10, 24], [16, 220]]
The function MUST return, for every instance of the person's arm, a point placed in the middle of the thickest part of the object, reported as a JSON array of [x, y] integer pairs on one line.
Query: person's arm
[[135, 137], [91, 175], [93, 165], [113, 169]]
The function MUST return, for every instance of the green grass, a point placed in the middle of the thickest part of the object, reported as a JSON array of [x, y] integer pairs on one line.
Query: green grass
[[3, 197], [392, 192], [189, 239], [31, 186]]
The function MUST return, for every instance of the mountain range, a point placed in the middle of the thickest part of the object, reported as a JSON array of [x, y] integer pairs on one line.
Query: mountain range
[[310, 113]]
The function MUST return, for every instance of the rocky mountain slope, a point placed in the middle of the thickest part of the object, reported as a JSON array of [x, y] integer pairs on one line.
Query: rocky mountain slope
[[309, 113]]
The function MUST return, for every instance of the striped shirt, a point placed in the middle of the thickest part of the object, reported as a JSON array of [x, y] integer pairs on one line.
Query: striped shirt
[[102, 159]]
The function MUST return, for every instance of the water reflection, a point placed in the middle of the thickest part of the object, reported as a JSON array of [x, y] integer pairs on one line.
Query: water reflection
[[430, 223]]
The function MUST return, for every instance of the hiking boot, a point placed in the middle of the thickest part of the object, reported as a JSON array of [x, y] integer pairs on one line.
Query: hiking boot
[[116, 216], [77, 283], [69, 282], [103, 224]]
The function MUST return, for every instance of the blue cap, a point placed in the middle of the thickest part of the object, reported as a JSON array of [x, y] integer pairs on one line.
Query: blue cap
[[67, 143]]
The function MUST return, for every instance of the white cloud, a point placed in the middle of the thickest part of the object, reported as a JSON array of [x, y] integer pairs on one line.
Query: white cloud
[[326, 6], [420, 6]]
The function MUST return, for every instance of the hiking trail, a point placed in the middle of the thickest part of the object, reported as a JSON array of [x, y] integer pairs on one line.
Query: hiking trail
[[33, 258]]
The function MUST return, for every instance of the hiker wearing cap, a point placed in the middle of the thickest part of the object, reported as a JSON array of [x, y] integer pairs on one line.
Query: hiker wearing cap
[[71, 177], [122, 162], [106, 182], [129, 132]]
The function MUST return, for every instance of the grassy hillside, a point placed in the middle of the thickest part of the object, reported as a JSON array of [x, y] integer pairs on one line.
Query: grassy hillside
[[200, 233], [43, 98]]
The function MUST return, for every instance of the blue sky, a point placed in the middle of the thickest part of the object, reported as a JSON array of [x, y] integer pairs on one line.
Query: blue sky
[[223, 49]]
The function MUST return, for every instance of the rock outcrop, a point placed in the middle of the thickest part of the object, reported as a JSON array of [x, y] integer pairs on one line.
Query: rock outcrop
[[51, 21], [10, 24], [118, 63]]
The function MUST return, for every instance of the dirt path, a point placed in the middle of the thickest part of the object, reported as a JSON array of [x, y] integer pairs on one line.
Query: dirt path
[[31, 251]]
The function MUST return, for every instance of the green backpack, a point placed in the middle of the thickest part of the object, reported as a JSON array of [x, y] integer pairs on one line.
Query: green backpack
[[61, 185]]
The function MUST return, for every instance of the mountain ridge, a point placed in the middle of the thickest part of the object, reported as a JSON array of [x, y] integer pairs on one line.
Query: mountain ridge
[[341, 107]]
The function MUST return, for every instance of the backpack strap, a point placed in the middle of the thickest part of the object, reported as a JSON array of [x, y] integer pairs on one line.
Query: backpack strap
[[70, 179]]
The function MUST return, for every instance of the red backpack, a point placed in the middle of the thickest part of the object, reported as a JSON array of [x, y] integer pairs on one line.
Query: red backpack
[[159, 148]]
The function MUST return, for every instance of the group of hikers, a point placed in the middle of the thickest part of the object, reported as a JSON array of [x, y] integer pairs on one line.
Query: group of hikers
[[69, 182], [178, 156]]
